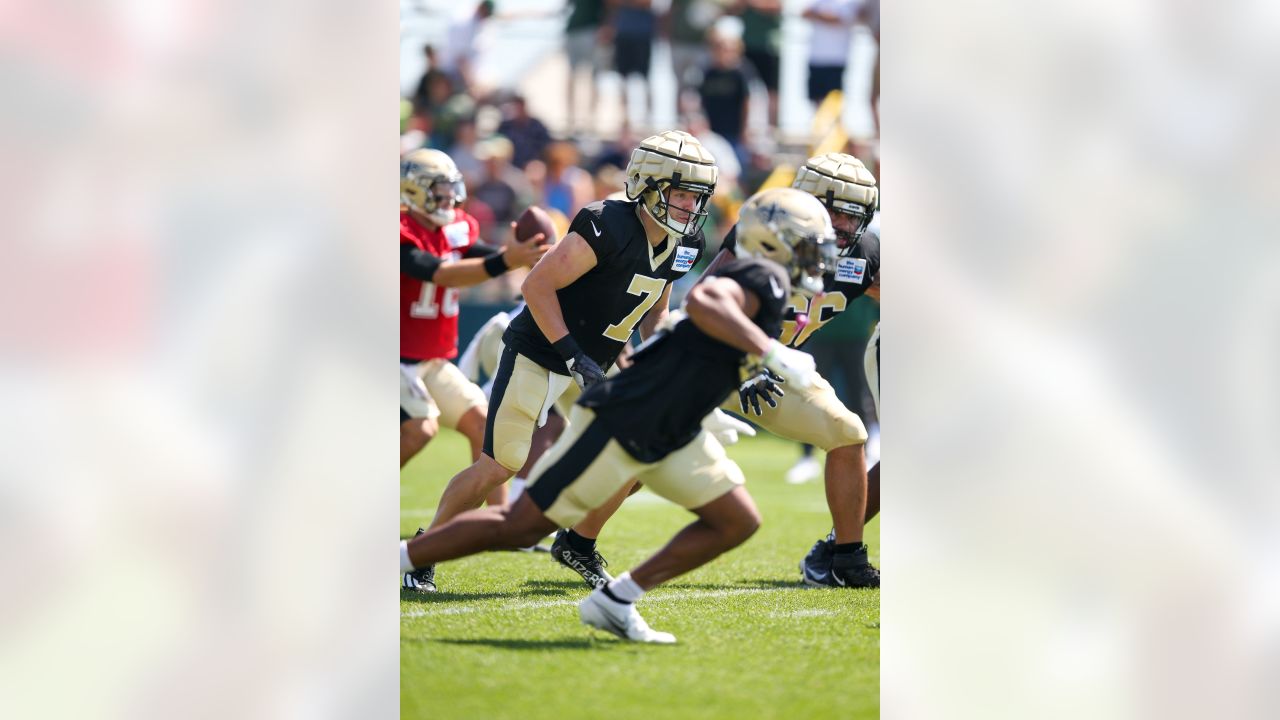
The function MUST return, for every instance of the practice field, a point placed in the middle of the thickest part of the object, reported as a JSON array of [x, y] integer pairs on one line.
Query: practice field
[[502, 639]]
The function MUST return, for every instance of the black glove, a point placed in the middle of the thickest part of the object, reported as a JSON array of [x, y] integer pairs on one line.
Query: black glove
[[764, 385], [582, 368]]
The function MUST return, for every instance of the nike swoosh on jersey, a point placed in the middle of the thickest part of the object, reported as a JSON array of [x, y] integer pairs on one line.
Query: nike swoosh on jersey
[[594, 228], [777, 291]]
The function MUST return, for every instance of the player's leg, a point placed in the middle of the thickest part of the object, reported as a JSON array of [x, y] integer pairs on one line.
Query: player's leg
[[415, 433], [543, 438], [700, 477], [815, 415], [575, 547], [873, 492], [871, 366], [519, 394], [418, 415], [463, 407], [491, 528]]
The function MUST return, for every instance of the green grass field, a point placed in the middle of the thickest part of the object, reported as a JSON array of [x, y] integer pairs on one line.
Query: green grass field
[[502, 639]]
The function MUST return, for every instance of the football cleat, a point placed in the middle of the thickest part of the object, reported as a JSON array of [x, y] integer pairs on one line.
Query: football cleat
[[815, 568], [422, 579], [822, 567], [620, 619], [590, 567]]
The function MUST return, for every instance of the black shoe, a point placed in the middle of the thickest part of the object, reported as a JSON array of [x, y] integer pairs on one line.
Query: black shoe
[[815, 568], [822, 567], [590, 567], [422, 579], [854, 570]]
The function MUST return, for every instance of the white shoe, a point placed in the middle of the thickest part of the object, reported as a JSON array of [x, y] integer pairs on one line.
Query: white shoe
[[621, 619], [805, 469]]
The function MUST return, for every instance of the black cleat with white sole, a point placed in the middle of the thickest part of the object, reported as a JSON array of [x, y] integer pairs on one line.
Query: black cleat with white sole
[[590, 566], [422, 579]]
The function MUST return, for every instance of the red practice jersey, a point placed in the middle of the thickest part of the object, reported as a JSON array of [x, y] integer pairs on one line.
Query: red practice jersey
[[428, 312]]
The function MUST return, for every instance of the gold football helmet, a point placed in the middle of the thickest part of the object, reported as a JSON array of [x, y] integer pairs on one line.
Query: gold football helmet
[[793, 229], [845, 186], [666, 161], [431, 184]]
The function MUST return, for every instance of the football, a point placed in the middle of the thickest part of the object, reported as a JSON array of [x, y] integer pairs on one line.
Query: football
[[532, 221]]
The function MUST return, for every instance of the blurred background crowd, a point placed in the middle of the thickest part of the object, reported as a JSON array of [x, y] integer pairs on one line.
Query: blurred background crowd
[[542, 101]]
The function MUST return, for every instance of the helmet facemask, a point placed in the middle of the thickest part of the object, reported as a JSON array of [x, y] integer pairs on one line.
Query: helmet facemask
[[656, 201], [846, 240], [814, 257], [432, 187]]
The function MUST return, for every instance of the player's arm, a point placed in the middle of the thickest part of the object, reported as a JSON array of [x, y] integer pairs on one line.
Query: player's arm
[[723, 309], [480, 262], [571, 258], [652, 320]]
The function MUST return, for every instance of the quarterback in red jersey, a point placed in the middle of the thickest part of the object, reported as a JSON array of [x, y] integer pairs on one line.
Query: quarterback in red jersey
[[438, 254]]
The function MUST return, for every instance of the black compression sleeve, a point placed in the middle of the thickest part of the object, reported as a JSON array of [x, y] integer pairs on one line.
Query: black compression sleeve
[[479, 250], [418, 264], [496, 264]]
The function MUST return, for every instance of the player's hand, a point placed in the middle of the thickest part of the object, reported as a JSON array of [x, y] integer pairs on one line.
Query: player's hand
[[584, 370], [726, 428], [527, 253], [796, 367], [763, 386]]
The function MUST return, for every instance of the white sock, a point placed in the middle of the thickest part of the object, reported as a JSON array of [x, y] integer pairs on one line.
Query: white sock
[[517, 487], [405, 565], [626, 589]]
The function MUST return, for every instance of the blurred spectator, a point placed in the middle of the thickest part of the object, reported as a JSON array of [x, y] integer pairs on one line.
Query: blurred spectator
[[618, 152], [422, 96], [684, 25], [463, 150], [585, 46], [562, 184], [634, 26], [871, 16], [721, 149], [501, 186], [457, 110], [609, 179], [461, 48], [726, 91], [527, 134], [829, 45], [416, 133], [762, 40]]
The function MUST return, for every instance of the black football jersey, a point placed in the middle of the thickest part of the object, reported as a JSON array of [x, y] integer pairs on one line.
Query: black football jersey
[[853, 275], [603, 307], [656, 406]]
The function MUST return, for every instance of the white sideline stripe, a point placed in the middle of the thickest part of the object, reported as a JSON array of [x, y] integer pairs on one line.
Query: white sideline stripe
[[536, 604], [816, 612]]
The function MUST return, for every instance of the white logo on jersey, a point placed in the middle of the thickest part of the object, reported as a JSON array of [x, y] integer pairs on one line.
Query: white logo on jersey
[[458, 234], [594, 228], [851, 270], [684, 258], [777, 289]]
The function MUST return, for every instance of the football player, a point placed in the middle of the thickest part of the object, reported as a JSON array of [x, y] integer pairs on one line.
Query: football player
[[678, 376], [438, 254], [611, 273], [815, 415]]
